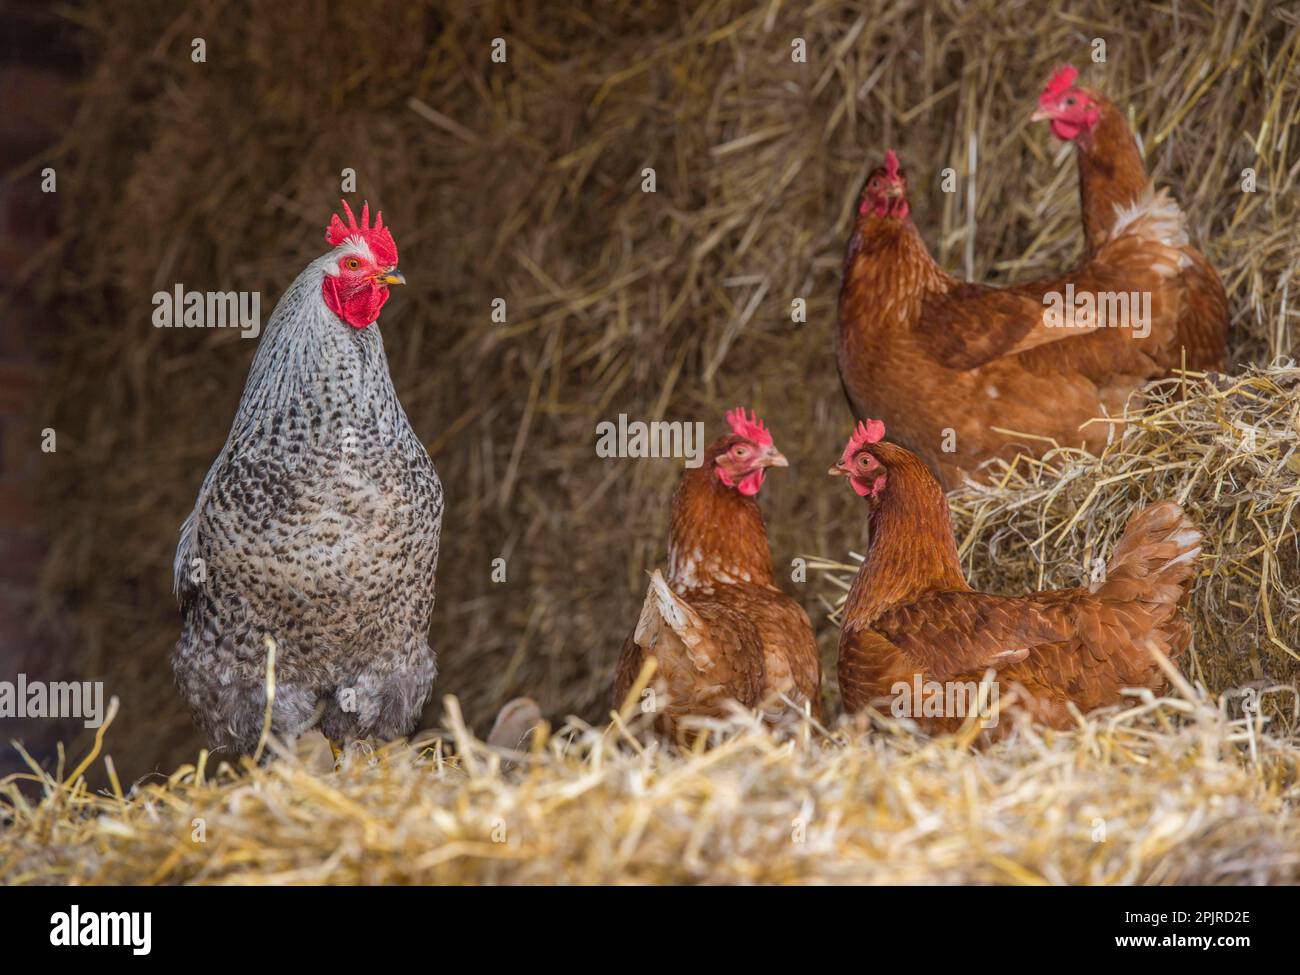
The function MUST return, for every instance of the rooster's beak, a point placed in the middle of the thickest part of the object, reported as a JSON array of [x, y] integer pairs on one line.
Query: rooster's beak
[[837, 471], [392, 276], [774, 458], [1041, 115]]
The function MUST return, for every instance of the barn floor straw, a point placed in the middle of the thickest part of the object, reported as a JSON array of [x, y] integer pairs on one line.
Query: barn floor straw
[[1162, 791]]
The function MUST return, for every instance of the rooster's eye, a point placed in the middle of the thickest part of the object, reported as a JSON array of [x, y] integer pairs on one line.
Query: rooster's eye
[[353, 264], [1070, 101], [740, 451]]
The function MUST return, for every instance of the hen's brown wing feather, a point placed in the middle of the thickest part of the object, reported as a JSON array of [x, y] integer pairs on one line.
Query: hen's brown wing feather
[[735, 667], [708, 648], [951, 633], [972, 324]]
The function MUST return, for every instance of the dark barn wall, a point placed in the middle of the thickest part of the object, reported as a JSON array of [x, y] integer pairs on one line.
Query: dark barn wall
[[39, 68]]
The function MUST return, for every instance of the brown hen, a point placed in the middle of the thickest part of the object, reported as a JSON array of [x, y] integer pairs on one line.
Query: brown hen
[[965, 372], [1112, 177], [718, 626], [911, 617]]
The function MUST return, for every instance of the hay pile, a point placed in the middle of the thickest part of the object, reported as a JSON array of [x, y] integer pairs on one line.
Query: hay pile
[[522, 181], [1166, 791]]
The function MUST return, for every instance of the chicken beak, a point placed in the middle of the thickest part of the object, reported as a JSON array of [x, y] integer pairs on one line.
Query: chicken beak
[[1040, 115], [837, 471], [392, 276], [774, 458]]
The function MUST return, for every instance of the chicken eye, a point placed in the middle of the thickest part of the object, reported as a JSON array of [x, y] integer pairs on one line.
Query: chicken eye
[[353, 264], [862, 461], [875, 183], [1070, 101], [740, 450]]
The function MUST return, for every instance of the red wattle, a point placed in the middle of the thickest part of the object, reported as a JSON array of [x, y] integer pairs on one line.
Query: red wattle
[[750, 484], [873, 489], [1066, 131], [359, 308]]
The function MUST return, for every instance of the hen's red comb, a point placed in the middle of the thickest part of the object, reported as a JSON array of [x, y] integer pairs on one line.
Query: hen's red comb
[[891, 164], [867, 432], [751, 427], [377, 237], [1058, 85]]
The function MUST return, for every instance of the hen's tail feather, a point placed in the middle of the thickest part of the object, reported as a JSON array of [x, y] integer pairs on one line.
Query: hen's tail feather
[[1147, 580], [1159, 547]]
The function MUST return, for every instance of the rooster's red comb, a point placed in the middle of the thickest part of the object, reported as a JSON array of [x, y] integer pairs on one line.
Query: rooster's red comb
[[891, 164], [1058, 85], [751, 427], [377, 237], [867, 432]]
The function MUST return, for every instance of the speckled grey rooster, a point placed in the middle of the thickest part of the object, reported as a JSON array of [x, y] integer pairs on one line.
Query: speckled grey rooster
[[317, 525]]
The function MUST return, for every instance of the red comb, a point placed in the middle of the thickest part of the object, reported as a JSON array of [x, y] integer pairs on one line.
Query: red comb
[[751, 427], [1058, 84], [377, 237], [891, 164], [868, 432]]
